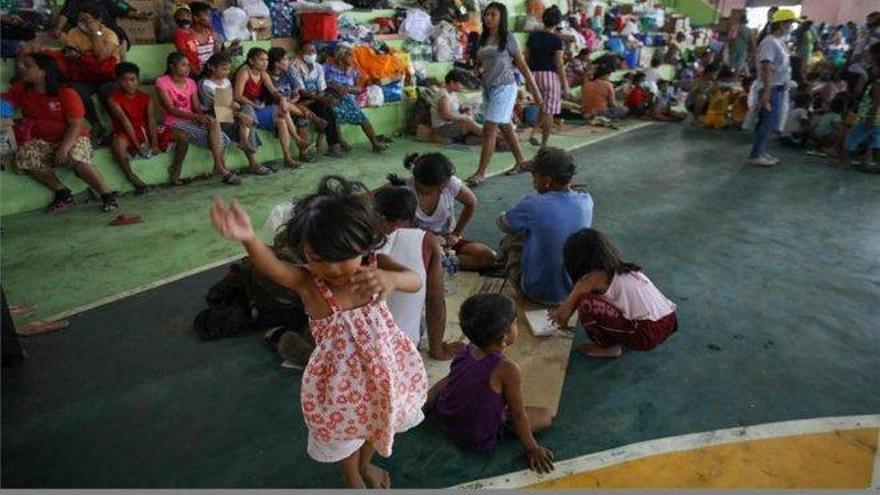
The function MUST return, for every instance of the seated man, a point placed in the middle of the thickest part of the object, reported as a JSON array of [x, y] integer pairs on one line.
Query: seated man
[[420, 252], [539, 225], [447, 121]]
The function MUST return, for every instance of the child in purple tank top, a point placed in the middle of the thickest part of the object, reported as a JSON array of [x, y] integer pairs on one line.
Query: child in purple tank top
[[482, 395]]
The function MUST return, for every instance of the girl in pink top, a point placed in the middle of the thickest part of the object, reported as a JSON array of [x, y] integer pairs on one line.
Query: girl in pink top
[[178, 96], [365, 380], [617, 304]]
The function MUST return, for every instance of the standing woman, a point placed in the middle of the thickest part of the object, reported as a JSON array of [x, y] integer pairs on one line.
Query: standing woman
[[545, 55], [774, 76], [497, 54]]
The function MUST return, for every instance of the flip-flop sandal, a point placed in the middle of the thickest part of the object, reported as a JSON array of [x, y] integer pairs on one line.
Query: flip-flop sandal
[[512, 172], [534, 141], [232, 179], [126, 220], [473, 182], [60, 204], [263, 170], [42, 326]]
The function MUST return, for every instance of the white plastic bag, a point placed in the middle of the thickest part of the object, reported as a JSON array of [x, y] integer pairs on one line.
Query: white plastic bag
[[447, 47], [375, 96], [255, 8], [235, 22], [279, 216], [417, 25]]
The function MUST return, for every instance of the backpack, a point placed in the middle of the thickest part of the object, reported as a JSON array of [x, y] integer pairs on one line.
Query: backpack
[[228, 312]]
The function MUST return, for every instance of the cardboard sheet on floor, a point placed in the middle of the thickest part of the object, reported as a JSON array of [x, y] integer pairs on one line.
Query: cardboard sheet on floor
[[543, 360]]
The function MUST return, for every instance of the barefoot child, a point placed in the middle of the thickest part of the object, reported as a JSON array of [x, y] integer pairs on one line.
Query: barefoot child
[[365, 381], [134, 127], [617, 304], [481, 398]]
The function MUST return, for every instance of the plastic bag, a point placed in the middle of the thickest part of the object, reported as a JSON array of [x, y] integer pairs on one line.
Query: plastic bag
[[255, 8], [447, 47], [417, 25], [375, 96], [235, 22], [393, 92], [279, 216]]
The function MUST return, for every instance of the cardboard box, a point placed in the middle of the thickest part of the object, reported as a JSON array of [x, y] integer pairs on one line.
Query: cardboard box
[[139, 31], [146, 6], [261, 27]]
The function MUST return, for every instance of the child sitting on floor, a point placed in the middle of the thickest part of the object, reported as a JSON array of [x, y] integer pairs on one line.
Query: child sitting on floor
[[135, 132], [365, 381], [739, 106], [664, 99], [639, 99], [828, 129], [481, 399], [617, 304], [797, 123]]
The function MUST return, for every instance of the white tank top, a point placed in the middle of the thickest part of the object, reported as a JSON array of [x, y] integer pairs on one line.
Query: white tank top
[[405, 247], [637, 297]]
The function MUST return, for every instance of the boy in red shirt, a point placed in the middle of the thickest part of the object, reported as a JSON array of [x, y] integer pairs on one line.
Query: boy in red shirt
[[135, 132], [638, 101]]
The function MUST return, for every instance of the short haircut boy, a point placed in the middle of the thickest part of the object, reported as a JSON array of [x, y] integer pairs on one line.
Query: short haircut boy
[[486, 318], [124, 68], [554, 163], [396, 204]]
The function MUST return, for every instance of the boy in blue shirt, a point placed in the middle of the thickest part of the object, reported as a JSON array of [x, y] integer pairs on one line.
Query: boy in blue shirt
[[538, 226]]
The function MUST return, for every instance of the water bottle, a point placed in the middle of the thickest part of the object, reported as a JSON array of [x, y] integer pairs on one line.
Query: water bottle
[[450, 268]]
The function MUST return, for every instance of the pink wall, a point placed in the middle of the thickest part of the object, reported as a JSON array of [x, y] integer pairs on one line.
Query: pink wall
[[833, 11]]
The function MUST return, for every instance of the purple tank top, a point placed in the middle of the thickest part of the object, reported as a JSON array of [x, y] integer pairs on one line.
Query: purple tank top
[[468, 410]]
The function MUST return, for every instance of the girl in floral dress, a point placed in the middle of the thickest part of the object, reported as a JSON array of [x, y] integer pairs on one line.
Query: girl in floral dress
[[365, 381]]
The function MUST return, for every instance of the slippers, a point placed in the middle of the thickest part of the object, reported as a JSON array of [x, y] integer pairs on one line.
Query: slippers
[[534, 141], [513, 171], [263, 170], [126, 220], [42, 326], [231, 179], [473, 182]]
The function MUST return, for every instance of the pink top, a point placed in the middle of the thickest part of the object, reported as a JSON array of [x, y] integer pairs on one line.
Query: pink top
[[637, 297], [365, 379], [181, 98]]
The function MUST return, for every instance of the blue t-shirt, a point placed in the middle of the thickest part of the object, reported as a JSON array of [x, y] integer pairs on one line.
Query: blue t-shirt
[[547, 220]]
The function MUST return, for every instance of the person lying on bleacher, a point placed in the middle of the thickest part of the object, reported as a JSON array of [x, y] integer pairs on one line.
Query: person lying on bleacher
[[93, 50], [447, 119], [342, 81], [52, 132]]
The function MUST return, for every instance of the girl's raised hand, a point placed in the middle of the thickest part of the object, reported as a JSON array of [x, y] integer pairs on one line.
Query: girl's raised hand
[[233, 222], [372, 282]]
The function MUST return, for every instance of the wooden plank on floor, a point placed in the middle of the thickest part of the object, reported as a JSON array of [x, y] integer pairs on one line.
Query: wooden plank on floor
[[543, 360]]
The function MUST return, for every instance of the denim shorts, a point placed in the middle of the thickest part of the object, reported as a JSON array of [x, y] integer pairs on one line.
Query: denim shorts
[[862, 133], [498, 103]]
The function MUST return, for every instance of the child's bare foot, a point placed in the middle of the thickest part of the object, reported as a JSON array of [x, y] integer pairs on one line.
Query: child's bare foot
[[375, 477], [353, 480], [592, 350]]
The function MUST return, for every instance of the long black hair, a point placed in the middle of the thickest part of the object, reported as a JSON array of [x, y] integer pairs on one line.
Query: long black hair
[[429, 169], [338, 221], [276, 55], [54, 78], [589, 250], [502, 26], [215, 61], [251, 54], [172, 59]]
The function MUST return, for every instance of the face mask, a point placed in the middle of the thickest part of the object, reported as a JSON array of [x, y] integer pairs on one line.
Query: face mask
[[310, 58]]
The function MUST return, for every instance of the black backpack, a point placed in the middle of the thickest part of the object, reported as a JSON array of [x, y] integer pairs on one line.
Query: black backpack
[[229, 311]]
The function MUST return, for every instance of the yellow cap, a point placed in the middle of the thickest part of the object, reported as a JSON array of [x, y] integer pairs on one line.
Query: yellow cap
[[784, 15]]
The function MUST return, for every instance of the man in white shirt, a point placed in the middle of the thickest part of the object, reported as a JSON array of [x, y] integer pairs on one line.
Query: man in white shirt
[[420, 252]]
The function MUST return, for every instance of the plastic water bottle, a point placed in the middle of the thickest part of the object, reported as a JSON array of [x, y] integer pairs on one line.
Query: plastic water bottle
[[450, 268]]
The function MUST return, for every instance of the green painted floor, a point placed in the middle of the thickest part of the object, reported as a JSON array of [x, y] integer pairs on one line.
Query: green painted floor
[[776, 273]]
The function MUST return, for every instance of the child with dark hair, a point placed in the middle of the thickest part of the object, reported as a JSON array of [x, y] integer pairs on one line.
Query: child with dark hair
[[617, 304], [365, 381], [135, 132], [598, 98], [179, 98], [538, 226], [481, 401], [639, 99], [437, 188], [420, 252], [829, 128], [797, 123]]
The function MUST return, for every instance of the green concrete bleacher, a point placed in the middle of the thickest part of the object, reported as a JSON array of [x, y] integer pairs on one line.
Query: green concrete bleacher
[[20, 193]]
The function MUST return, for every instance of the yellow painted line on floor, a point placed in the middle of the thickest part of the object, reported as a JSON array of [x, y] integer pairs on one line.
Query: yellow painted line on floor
[[815, 453], [875, 476]]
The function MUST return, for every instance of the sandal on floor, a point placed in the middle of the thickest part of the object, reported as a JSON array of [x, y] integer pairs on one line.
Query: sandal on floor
[[63, 199], [379, 147], [263, 170], [126, 220], [534, 141], [293, 164], [42, 326], [474, 182], [231, 179], [108, 202]]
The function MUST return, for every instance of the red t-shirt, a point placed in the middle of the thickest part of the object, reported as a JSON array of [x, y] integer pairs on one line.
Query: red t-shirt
[[48, 114], [636, 98], [187, 43], [135, 108]]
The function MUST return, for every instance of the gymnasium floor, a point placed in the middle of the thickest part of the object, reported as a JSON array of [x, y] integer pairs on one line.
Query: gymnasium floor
[[776, 273]]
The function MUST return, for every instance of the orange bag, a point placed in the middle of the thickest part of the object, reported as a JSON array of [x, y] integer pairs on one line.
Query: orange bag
[[377, 66]]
